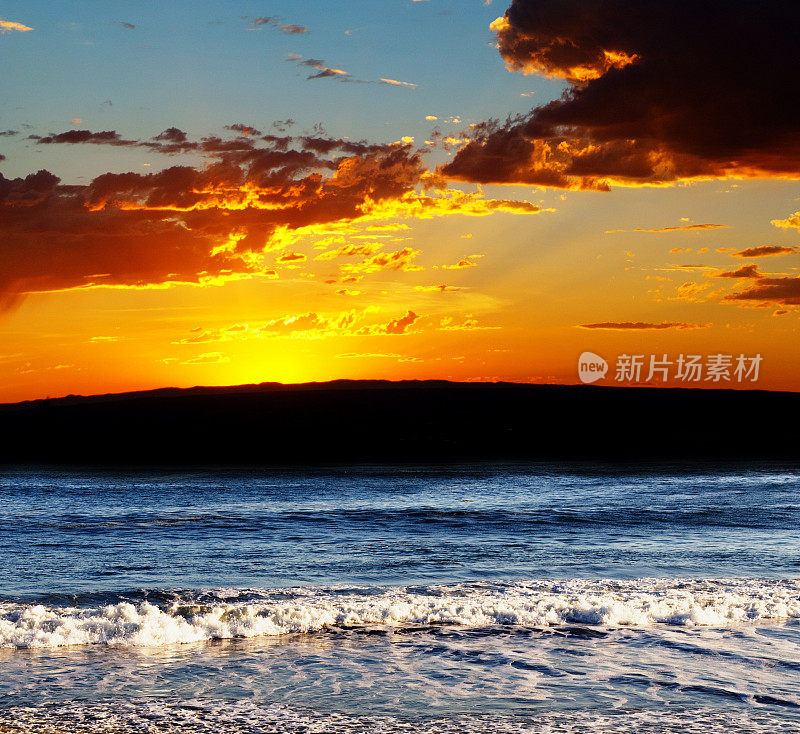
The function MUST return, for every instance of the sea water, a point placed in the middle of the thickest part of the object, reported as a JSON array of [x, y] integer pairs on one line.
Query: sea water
[[494, 598]]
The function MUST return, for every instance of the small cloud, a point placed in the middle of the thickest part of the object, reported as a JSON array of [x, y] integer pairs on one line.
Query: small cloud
[[245, 130], [746, 271], [767, 291], [11, 25], [470, 323], [272, 20], [367, 355], [208, 358], [434, 288], [465, 263], [396, 83], [387, 227], [291, 257], [791, 222], [766, 250], [641, 325], [73, 137], [680, 228], [403, 324], [398, 260], [323, 71]]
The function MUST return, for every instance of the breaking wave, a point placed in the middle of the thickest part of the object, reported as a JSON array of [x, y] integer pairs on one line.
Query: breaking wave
[[162, 618]]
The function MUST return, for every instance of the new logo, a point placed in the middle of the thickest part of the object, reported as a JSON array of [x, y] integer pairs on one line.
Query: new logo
[[591, 367]]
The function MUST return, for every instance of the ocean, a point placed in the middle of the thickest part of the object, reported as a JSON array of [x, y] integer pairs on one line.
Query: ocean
[[508, 598]]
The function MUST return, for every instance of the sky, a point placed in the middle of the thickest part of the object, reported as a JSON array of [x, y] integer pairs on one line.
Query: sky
[[215, 193]]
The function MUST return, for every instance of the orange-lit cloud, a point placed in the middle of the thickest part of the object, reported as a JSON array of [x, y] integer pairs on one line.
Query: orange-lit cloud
[[214, 222], [536, 52], [764, 290], [746, 271], [398, 260], [765, 250], [468, 323], [207, 358], [650, 102], [290, 257], [679, 228], [436, 288], [783, 291], [396, 83], [641, 325], [461, 264], [11, 25], [403, 324], [450, 201], [310, 325], [358, 250], [791, 222], [377, 355]]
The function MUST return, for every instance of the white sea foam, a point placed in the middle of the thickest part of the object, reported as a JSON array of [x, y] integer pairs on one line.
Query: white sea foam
[[211, 717], [221, 615]]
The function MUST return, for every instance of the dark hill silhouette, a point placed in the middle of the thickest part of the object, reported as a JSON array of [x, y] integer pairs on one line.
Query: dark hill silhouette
[[347, 422]]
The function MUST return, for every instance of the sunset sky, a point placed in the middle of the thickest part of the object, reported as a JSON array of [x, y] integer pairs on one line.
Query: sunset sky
[[205, 193]]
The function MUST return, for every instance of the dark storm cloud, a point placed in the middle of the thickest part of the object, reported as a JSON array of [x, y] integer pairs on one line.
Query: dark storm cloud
[[659, 92]]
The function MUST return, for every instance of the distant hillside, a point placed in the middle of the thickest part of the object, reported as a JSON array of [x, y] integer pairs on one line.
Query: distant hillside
[[372, 421]]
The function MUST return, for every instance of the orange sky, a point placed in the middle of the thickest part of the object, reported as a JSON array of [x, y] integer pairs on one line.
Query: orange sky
[[469, 251], [517, 290]]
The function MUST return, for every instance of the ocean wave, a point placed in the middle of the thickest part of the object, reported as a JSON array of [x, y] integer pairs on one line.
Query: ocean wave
[[185, 617]]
